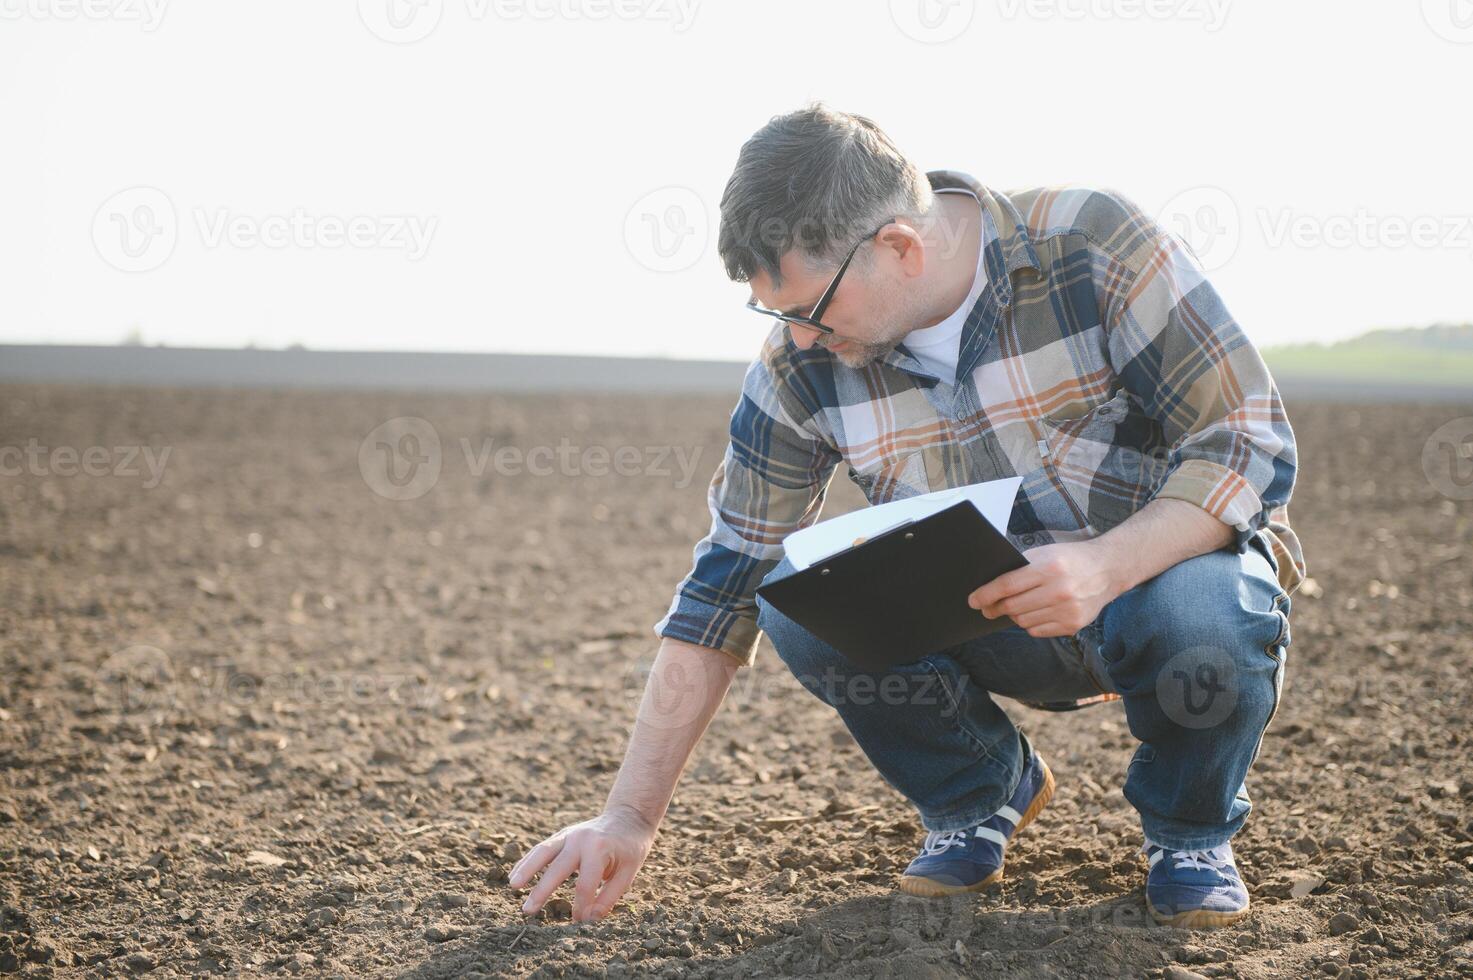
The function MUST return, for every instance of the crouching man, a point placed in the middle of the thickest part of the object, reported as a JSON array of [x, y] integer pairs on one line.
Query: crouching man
[[928, 332]]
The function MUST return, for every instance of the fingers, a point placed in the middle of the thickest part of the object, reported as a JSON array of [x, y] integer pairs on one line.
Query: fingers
[[613, 889], [1043, 613], [557, 872], [1033, 600], [534, 860], [1049, 629], [1012, 583], [596, 863], [1057, 619], [590, 875]]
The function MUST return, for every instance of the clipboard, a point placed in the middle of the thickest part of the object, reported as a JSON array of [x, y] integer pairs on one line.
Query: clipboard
[[901, 595]]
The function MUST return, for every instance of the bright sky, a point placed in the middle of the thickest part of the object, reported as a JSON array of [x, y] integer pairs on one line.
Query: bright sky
[[491, 175]]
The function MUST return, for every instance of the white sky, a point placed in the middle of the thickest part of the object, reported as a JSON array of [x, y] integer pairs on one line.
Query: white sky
[[522, 140]]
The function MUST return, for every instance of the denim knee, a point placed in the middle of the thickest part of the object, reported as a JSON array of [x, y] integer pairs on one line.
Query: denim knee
[[1213, 599], [1213, 625]]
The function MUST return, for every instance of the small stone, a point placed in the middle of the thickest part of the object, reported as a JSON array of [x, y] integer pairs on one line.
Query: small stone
[[139, 962], [1301, 883], [265, 858], [1443, 789], [443, 933], [319, 918], [451, 900], [512, 851], [299, 962], [1175, 972], [1343, 922]]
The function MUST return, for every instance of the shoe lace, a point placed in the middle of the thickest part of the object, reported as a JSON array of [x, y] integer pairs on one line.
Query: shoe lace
[[1218, 858], [1212, 857], [938, 841]]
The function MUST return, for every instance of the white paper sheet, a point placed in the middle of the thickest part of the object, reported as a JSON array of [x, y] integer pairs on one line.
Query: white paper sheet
[[994, 499]]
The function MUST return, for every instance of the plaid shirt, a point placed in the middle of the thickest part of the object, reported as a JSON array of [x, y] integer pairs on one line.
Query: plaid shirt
[[1099, 365]]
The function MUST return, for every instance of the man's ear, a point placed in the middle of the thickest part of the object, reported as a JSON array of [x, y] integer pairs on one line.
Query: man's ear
[[902, 242]]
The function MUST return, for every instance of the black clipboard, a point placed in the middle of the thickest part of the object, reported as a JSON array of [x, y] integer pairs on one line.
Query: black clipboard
[[902, 594]]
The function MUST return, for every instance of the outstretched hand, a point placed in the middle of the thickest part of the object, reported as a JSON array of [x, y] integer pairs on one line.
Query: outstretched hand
[[606, 851]]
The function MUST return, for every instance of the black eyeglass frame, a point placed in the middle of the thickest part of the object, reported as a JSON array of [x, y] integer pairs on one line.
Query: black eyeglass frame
[[812, 321]]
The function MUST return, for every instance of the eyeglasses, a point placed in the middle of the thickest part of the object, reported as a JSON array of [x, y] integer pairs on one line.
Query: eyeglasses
[[812, 320]]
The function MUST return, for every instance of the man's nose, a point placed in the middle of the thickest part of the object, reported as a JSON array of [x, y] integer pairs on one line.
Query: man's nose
[[803, 337]]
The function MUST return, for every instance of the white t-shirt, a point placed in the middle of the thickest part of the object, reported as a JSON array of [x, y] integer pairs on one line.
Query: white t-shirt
[[939, 347]]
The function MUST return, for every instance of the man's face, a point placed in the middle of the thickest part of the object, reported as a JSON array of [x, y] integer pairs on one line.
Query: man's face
[[870, 312]]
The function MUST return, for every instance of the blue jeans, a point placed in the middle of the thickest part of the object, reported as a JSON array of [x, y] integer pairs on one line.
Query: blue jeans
[[1197, 655]]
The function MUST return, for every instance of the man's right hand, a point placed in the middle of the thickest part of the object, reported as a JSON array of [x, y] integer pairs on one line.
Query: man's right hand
[[607, 850], [684, 689]]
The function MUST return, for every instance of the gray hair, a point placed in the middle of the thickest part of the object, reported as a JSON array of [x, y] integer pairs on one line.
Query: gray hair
[[815, 179]]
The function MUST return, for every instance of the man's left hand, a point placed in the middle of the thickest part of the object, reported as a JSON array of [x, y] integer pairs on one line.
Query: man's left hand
[[1059, 592]]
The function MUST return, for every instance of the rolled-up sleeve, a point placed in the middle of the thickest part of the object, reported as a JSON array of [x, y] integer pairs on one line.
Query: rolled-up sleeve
[[1176, 348], [772, 480]]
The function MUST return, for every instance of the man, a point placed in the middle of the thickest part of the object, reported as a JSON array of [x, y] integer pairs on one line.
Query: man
[[932, 332]]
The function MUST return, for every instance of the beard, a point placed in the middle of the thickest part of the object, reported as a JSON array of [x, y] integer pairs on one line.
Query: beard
[[858, 355], [901, 315]]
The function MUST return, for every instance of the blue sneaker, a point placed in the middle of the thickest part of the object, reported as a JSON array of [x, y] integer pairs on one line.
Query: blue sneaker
[[952, 862], [1194, 889]]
